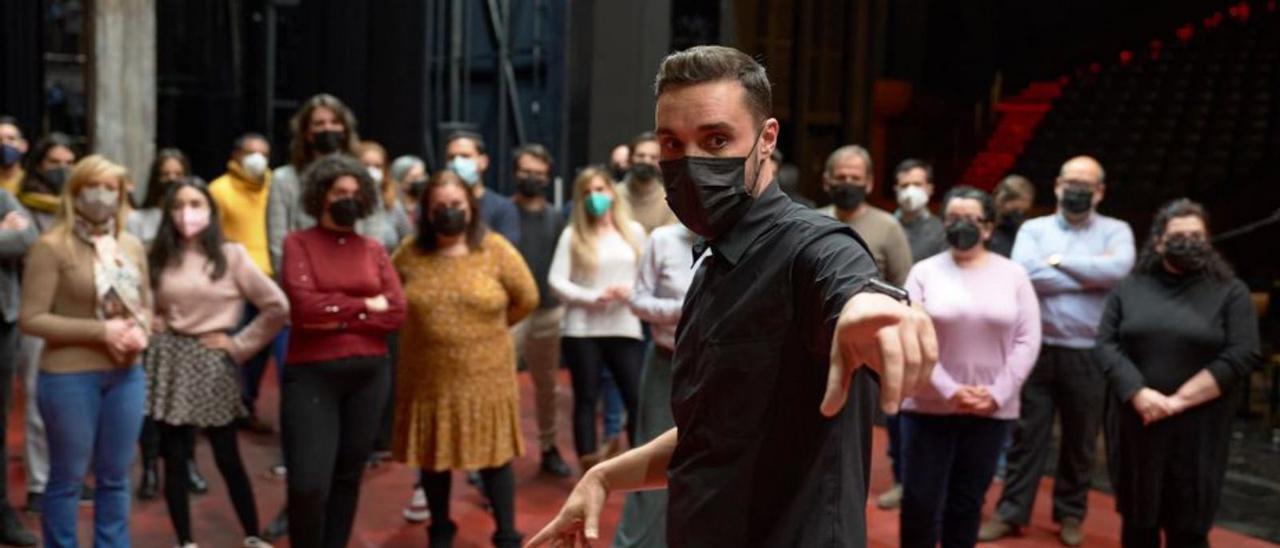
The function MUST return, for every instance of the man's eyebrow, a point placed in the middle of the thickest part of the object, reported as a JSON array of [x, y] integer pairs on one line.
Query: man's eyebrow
[[704, 128]]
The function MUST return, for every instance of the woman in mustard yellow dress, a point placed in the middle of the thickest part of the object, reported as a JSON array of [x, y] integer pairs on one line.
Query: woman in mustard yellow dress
[[457, 404]]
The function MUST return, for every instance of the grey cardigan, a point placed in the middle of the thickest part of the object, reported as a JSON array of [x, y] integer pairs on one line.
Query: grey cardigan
[[13, 247]]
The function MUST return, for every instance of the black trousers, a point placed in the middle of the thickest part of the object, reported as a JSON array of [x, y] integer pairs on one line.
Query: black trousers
[[9, 344], [587, 357], [1067, 382], [499, 486], [1149, 537], [382, 441], [176, 445], [329, 412]]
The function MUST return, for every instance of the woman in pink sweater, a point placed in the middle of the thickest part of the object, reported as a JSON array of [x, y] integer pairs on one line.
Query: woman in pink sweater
[[988, 324], [201, 283]]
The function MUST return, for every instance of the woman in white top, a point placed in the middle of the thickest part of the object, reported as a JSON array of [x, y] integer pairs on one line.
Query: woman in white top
[[592, 273]]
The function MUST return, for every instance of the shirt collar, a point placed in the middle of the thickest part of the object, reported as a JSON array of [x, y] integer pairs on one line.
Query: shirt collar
[[764, 212], [924, 214]]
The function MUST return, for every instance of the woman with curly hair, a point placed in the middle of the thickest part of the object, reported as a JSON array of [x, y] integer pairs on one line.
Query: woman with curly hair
[[345, 299], [1176, 338]]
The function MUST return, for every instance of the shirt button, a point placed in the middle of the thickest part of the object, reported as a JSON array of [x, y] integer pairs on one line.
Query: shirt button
[[363, 316], [342, 241]]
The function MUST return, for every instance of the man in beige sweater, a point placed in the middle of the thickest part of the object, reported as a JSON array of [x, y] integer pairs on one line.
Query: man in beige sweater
[[642, 187], [848, 180]]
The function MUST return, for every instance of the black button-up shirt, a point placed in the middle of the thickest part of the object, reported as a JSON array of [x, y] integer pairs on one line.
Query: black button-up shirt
[[756, 463]]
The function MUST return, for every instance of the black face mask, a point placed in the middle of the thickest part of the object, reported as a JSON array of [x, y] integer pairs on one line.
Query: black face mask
[[449, 221], [846, 196], [529, 187], [709, 195], [963, 235], [1012, 220], [416, 188], [55, 178], [344, 212], [326, 142], [644, 172], [618, 172], [1076, 200], [1188, 255]]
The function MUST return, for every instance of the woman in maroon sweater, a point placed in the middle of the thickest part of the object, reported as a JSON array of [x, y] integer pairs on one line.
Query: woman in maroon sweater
[[345, 299]]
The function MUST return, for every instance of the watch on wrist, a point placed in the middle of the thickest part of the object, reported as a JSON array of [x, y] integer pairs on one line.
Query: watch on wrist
[[1054, 260], [884, 288]]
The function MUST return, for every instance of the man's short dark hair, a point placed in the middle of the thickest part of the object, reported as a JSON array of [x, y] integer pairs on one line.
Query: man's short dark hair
[[915, 163], [642, 137], [701, 64], [531, 149], [6, 120], [238, 144], [319, 177], [468, 135]]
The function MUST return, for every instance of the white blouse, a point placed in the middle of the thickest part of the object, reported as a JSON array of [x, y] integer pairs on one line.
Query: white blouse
[[617, 265]]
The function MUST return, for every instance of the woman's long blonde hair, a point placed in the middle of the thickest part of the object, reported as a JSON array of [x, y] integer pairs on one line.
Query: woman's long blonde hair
[[89, 168], [582, 240]]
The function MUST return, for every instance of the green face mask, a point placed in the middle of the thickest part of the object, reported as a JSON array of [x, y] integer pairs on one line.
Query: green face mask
[[598, 203]]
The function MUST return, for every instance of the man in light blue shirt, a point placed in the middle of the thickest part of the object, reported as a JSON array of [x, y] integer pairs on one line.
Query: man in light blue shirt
[[1074, 258]]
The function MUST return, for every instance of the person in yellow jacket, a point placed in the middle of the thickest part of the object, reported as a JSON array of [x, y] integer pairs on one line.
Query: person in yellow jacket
[[242, 195]]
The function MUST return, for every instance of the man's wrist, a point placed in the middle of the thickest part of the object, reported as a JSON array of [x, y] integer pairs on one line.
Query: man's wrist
[[1054, 260]]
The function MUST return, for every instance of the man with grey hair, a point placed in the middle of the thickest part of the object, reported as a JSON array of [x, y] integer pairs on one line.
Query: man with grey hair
[[1074, 258], [848, 180]]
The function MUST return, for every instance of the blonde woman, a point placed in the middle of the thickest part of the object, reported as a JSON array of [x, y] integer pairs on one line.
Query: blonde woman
[[85, 292], [592, 273]]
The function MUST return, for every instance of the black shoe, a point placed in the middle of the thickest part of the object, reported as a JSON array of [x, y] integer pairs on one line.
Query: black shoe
[[474, 480], [553, 464], [440, 535], [35, 502], [12, 532], [86, 495], [279, 527], [149, 485], [197, 482]]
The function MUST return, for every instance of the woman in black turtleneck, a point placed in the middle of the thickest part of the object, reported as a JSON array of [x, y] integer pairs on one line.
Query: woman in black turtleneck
[[1176, 338]]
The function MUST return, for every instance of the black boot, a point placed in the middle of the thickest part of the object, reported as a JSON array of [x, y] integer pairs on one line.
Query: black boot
[[12, 532], [149, 485], [197, 482], [553, 463]]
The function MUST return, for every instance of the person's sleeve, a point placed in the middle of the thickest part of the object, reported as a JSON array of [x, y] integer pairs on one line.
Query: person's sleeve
[[386, 321], [404, 225], [645, 303], [522, 291], [1106, 270], [311, 307], [40, 279], [266, 296], [827, 273], [897, 256], [1046, 279], [1123, 375], [15, 243], [1240, 355], [1025, 346], [507, 222], [558, 277]]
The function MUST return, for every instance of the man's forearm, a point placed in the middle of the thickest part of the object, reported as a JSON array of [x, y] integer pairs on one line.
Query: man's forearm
[[639, 469]]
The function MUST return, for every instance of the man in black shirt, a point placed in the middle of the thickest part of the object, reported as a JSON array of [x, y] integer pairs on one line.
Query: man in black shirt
[[537, 337], [781, 319]]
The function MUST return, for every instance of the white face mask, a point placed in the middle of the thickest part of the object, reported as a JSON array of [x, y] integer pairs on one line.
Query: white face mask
[[375, 173], [255, 164], [191, 221], [913, 198]]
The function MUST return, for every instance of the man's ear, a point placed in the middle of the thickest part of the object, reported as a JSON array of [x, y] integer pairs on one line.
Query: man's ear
[[482, 162]]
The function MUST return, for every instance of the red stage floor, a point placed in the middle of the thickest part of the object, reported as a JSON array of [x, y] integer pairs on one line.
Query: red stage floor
[[386, 490]]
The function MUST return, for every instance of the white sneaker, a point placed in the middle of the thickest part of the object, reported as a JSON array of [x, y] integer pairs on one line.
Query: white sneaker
[[188, 545], [417, 511], [255, 542]]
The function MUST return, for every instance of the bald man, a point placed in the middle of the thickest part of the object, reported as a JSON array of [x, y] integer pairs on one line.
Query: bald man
[[1074, 257]]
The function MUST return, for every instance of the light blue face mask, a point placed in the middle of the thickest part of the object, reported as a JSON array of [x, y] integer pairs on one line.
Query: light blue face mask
[[598, 203], [467, 169]]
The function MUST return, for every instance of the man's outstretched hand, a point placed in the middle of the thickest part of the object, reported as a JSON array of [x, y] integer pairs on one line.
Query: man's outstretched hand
[[895, 340], [578, 523]]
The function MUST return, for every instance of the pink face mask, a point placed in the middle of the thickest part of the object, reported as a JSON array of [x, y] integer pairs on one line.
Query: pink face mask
[[191, 221]]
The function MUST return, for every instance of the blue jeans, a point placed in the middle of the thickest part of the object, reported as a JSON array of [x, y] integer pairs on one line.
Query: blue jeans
[[613, 405], [947, 465], [90, 417]]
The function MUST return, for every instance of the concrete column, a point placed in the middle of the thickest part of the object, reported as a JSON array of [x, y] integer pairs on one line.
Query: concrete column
[[122, 83]]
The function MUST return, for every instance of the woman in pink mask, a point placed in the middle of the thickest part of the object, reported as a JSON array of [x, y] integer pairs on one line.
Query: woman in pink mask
[[201, 283]]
